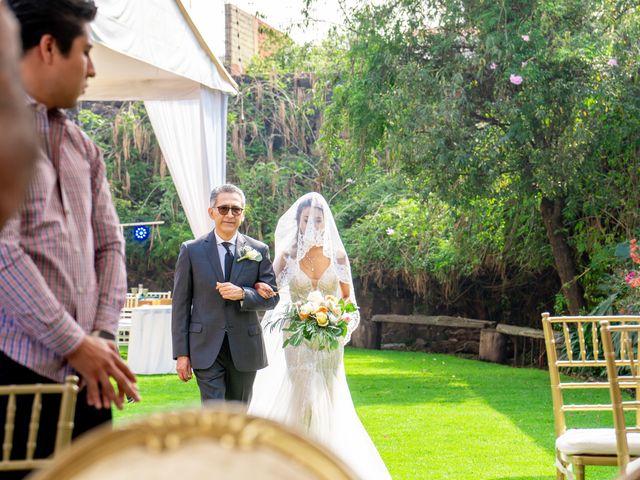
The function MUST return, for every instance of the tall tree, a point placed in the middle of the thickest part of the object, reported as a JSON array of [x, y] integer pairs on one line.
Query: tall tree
[[475, 97]]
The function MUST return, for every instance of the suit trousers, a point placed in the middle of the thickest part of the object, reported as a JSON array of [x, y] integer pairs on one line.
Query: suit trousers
[[222, 380], [86, 417]]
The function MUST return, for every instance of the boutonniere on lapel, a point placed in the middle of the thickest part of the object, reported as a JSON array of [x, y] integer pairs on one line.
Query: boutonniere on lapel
[[248, 253]]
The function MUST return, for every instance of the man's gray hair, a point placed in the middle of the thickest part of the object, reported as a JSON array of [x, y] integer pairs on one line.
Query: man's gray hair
[[226, 188]]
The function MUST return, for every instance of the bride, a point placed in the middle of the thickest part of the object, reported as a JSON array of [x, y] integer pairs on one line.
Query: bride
[[304, 387]]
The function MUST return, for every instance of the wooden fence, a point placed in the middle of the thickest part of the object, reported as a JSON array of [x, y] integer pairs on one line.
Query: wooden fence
[[498, 342]]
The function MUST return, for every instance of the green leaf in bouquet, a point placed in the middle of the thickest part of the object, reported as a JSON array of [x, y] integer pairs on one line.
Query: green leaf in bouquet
[[350, 307], [334, 330], [309, 328], [294, 340], [343, 328], [276, 323]]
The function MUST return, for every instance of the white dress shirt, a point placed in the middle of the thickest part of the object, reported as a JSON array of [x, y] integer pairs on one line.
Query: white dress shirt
[[222, 252]]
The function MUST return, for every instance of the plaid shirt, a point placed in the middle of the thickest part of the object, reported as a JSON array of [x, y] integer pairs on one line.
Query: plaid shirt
[[62, 271]]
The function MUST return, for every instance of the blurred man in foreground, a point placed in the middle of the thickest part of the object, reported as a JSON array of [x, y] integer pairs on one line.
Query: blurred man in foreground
[[62, 271], [18, 142]]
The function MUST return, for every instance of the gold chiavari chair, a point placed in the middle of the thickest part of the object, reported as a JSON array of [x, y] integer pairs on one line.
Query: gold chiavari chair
[[124, 326], [574, 347], [68, 391], [155, 295], [132, 301], [620, 343]]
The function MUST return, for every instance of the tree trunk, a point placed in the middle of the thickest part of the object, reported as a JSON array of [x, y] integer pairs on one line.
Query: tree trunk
[[551, 211], [492, 346]]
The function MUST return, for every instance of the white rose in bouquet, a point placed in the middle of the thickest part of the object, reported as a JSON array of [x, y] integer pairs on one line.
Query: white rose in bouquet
[[306, 309], [315, 297]]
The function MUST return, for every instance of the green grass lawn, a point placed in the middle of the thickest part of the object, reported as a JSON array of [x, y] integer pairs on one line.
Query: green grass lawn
[[432, 416]]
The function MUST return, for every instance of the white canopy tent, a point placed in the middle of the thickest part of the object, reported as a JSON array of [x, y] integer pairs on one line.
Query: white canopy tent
[[150, 50]]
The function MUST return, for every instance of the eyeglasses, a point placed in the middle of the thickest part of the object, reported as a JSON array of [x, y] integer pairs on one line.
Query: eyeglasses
[[224, 209]]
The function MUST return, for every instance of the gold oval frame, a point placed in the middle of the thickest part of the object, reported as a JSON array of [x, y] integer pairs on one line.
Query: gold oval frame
[[227, 425]]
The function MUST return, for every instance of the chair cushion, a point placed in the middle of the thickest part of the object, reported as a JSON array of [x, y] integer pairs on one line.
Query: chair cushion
[[633, 468], [594, 441]]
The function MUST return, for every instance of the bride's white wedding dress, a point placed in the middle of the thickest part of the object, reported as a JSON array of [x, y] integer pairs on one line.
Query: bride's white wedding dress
[[307, 388]]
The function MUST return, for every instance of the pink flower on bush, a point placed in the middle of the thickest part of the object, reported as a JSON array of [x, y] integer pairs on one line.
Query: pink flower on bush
[[525, 37], [613, 62], [627, 300], [633, 277], [515, 79], [493, 66]]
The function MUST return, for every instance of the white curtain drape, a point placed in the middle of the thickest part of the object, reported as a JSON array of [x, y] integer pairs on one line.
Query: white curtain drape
[[214, 108], [150, 50], [192, 137]]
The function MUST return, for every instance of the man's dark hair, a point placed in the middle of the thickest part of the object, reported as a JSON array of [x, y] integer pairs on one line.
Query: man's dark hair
[[62, 19]]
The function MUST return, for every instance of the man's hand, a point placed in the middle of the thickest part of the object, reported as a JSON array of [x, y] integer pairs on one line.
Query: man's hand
[[183, 367], [229, 291], [264, 290], [96, 360]]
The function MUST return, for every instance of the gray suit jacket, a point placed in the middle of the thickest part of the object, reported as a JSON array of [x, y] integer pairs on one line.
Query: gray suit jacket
[[200, 316]]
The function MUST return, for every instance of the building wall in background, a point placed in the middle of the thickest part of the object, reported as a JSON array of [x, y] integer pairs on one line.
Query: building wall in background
[[245, 37]]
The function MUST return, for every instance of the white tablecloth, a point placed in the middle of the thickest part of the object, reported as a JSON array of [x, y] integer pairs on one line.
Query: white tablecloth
[[150, 349]]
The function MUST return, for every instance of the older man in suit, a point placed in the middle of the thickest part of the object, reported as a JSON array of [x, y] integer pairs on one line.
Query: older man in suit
[[215, 326]]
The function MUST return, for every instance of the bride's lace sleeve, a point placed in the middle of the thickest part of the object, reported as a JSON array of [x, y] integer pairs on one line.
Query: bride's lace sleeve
[[343, 271], [285, 270], [352, 325]]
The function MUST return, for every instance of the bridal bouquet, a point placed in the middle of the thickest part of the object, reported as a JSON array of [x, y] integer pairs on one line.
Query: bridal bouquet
[[319, 321]]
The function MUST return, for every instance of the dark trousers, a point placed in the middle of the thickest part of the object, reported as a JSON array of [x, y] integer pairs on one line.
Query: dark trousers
[[223, 381], [86, 417]]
